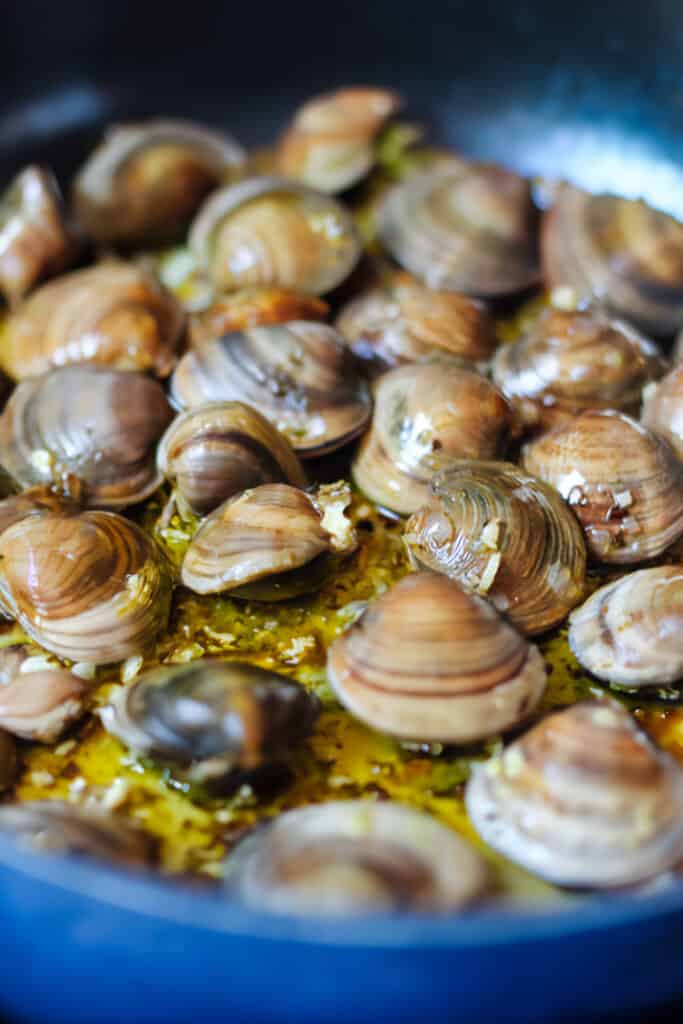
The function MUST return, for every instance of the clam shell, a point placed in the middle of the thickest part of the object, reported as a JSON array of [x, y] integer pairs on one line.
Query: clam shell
[[300, 375], [99, 425], [623, 482], [573, 361], [37, 701], [583, 799], [403, 322], [112, 314], [620, 253], [426, 416], [329, 144], [629, 632], [217, 450], [430, 661], [275, 233], [255, 307], [89, 587], [144, 182], [663, 409], [464, 227], [355, 857], [34, 240], [503, 534], [260, 533]]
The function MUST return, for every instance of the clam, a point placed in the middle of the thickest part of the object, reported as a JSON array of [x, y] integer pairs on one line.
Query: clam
[[37, 500], [257, 543], [624, 483], [663, 409], [217, 450], [34, 240], [629, 632], [113, 314], [38, 699], [573, 361], [52, 826], [330, 143], [8, 761], [254, 307], [87, 586], [273, 232], [300, 375], [355, 857], [145, 182], [504, 534], [430, 661], [401, 321], [583, 799], [464, 227], [211, 720], [426, 416], [620, 253], [100, 425]]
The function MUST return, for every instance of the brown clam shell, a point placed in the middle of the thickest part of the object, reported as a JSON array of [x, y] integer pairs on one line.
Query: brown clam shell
[[430, 661], [583, 799], [426, 415], [37, 701], [624, 483], [663, 409], [253, 307]]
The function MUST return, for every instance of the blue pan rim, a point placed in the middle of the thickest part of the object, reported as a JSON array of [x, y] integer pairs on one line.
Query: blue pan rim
[[136, 893]]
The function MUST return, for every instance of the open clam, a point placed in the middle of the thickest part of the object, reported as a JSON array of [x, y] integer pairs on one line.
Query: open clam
[[274, 232], [217, 450], [465, 227], [35, 242], [113, 314], [430, 661], [663, 409], [573, 361], [88, 586], [99, 425], [300, 375], [211, 720], [401, 321], [629, 632], [624, 483], [504, 534], [427, 415], [620, 253], [330, 143], [38, 699], [583, 799], [144, 182]]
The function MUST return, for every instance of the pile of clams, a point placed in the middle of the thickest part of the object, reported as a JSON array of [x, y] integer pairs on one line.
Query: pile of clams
[[295, 511]]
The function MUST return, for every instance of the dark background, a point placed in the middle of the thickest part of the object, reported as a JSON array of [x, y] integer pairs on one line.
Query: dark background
[[590, 90]]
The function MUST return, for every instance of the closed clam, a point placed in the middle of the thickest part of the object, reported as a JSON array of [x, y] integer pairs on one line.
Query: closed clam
[[257, 543], [37, 500], [401, 321], [9, 762], [355, 857], [100, 425], [663, 409], [254, 307], [34, 240], [217, 450], [330, 143], [38, 699], [87, 586], [274, 232], [629, 632], [113, 314], [504, 534], [430, 661], [465, 227], [211, 720], [583, 799], [623, 482], [426, 415], [573, 361], [300, 375], [53, 826], [620, 253], [144, 182]]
